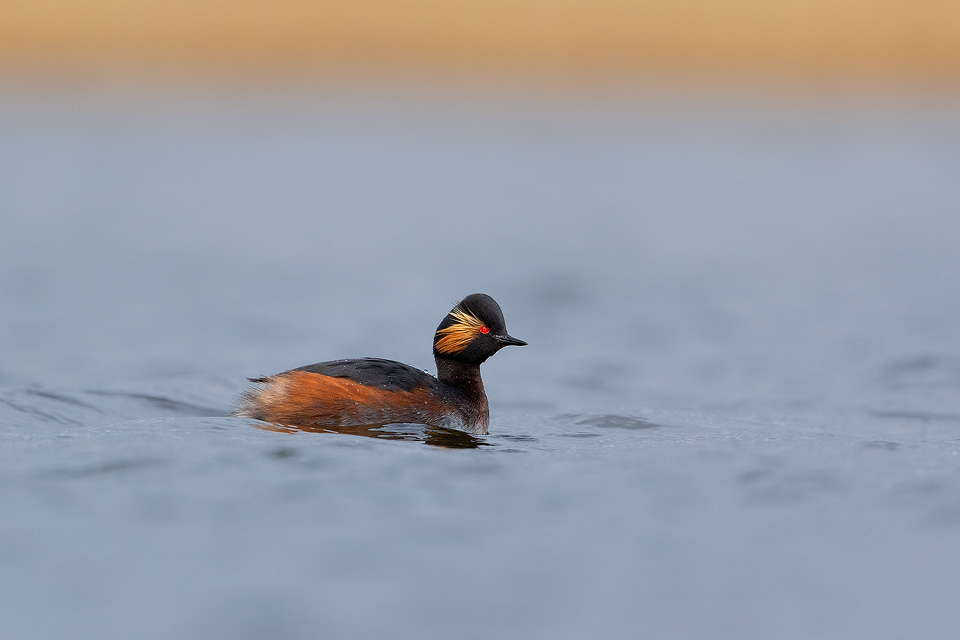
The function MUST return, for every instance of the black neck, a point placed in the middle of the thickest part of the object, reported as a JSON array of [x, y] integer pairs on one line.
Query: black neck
[[463, 380], [465, 377]]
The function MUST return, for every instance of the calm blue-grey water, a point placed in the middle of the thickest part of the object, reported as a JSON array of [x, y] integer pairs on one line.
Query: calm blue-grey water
[[738, 416]]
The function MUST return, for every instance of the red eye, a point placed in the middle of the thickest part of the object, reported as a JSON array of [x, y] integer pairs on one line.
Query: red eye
[[484, 329]]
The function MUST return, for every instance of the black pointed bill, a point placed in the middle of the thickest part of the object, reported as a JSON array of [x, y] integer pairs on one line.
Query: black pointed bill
[[507, 341]]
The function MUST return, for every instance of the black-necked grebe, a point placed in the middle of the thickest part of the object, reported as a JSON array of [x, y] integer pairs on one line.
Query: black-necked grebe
[[373, 391]]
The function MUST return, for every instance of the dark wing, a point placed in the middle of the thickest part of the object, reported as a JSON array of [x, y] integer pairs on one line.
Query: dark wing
[[374, 372]]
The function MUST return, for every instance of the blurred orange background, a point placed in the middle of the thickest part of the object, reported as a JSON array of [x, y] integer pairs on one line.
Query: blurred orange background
[[779, 38]]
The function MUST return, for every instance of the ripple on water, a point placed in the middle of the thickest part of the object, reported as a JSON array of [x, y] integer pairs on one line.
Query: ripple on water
[[109, 467], [611, 421], [921, 416], [31, 405], [883, 445], [162, 403], [921, 371], [25, 406]]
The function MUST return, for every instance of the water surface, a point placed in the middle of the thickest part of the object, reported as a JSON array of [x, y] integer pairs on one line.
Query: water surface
[[738, 416]]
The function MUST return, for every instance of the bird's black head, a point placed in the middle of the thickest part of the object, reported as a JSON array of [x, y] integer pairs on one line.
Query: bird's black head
[[473, 331]]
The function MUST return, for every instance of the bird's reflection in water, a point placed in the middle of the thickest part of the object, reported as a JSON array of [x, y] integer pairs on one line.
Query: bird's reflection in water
[[434, 436]]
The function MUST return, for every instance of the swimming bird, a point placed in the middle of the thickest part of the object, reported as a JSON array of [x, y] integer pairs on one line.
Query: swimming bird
[[374, 391]]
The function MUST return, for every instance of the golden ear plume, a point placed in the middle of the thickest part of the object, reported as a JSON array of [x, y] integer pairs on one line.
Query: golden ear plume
[[458, 335]]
